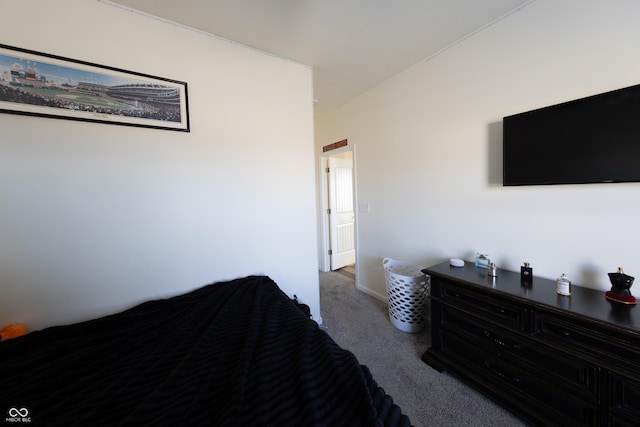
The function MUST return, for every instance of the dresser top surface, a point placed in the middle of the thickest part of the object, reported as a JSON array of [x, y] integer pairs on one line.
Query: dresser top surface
[[583, 301]]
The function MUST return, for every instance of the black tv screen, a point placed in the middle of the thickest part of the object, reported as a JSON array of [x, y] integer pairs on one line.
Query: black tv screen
[[589, 140]]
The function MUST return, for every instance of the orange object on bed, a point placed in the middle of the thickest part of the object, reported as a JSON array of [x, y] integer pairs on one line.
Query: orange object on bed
[[12, 331]]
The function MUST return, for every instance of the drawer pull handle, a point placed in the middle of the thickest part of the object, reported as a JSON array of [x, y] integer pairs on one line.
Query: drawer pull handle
[[501, 374], [499, 341]]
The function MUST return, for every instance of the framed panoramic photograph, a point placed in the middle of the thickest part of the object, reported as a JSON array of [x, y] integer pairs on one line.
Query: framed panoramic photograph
[[40, 84]]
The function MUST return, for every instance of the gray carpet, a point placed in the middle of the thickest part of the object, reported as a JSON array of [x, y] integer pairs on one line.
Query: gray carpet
[[360, 323]]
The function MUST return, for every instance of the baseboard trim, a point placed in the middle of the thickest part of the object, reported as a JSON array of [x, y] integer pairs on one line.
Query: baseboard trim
[[374, 294]]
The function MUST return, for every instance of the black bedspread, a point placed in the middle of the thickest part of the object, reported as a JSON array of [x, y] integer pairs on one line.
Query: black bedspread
[[238, 353]]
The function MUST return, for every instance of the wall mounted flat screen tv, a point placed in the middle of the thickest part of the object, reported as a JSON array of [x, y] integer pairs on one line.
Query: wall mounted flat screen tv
[[589, 140]]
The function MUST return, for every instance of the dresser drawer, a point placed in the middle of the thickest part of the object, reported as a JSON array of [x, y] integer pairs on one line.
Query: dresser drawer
[[581, 377], [590, 340], [548, 400], [624, 400], [486, 307]]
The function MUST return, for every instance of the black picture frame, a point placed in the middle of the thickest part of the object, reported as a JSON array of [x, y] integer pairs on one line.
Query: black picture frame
[[45, 85]]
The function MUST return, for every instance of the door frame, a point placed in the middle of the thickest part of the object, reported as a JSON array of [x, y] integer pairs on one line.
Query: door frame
[[325, 262]]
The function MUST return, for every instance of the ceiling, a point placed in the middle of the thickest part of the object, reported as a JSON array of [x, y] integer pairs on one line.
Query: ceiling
[[352, 45]]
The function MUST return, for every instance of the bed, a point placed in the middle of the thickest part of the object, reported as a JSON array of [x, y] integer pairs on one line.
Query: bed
[[235, 353]]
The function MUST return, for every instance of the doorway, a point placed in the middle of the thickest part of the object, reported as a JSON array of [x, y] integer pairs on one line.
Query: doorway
[[339, 217]]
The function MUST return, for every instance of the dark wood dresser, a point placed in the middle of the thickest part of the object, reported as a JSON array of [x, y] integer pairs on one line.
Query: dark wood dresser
[[550, 359]]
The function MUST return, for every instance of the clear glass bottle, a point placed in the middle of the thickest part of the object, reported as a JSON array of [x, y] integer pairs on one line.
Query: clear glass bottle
[[563, 285], [482, 261]]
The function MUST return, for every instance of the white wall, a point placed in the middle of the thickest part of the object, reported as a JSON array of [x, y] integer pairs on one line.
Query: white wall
[[96, 217], [429, 149]]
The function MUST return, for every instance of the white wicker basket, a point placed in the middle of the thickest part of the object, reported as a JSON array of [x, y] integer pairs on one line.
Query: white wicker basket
[[408, 291]]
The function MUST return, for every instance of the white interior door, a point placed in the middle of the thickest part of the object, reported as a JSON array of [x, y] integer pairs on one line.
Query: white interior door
[[341, 213]]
